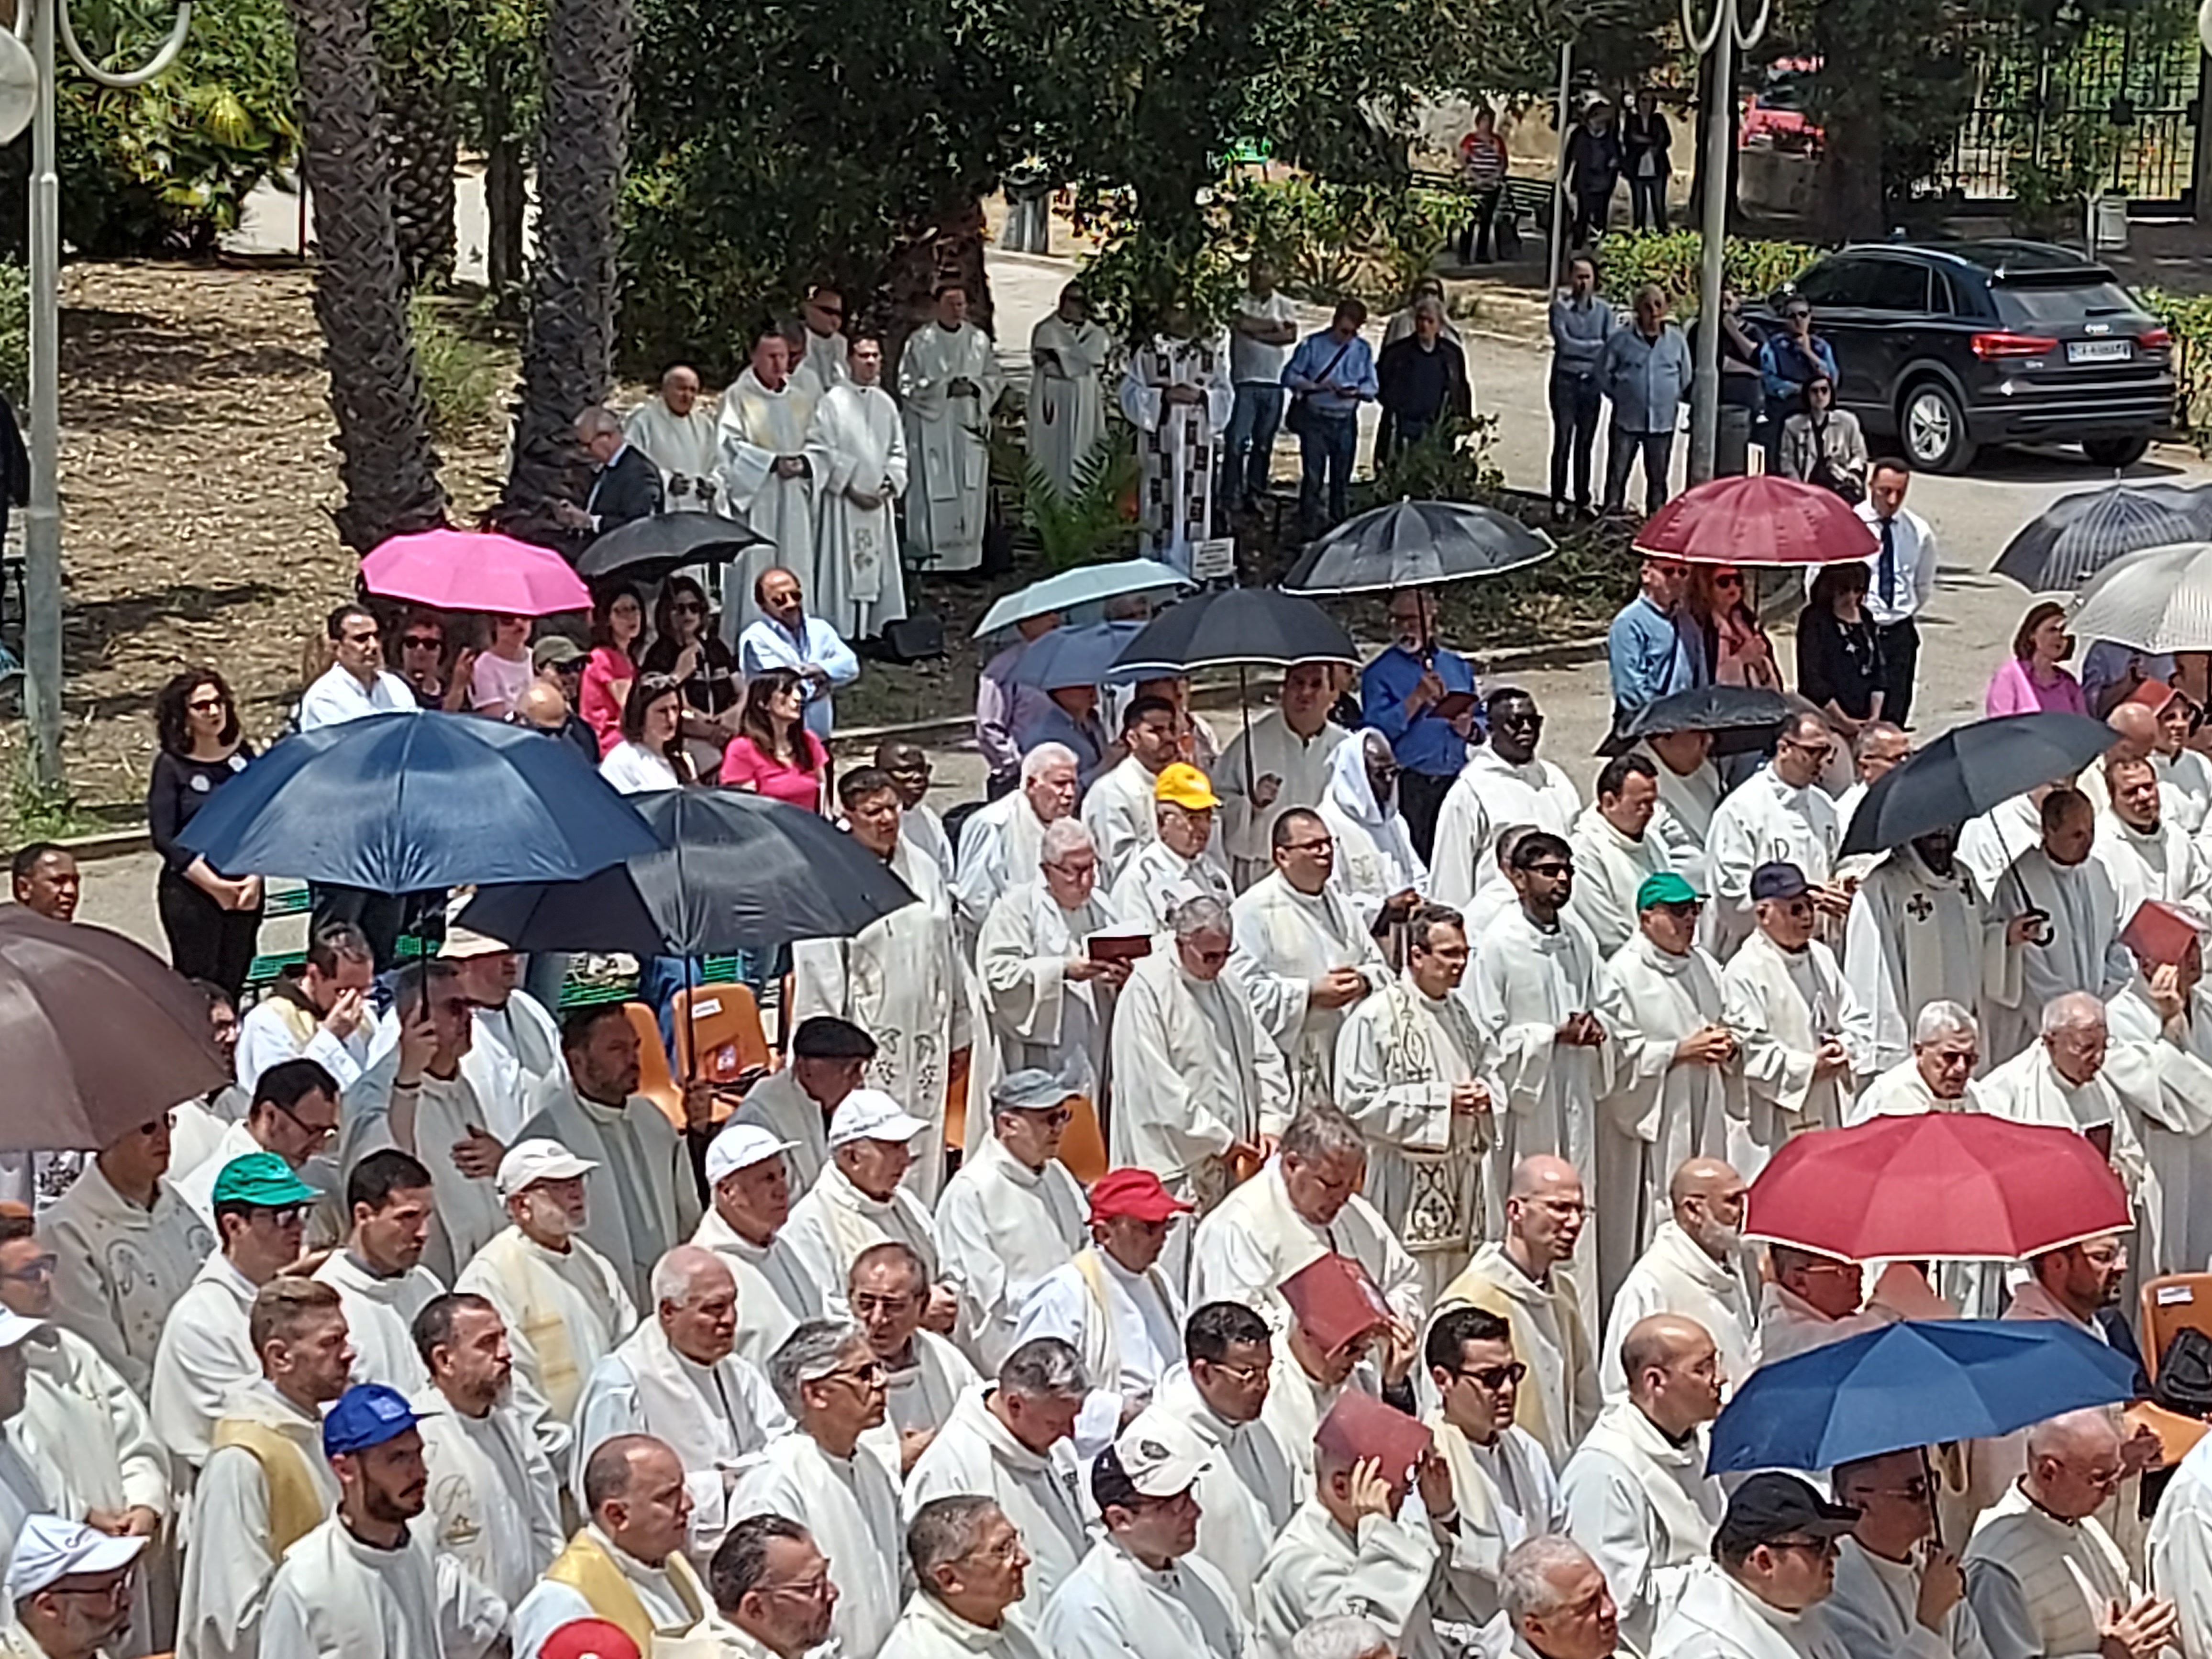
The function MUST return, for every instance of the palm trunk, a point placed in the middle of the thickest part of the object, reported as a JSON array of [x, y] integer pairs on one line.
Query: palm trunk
[[386, 460], [505, 191], [425, 144], [567, 352]]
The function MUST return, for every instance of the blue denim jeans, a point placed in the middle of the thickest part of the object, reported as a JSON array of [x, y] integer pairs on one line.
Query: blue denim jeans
[[1324, 453], [1249, 443]]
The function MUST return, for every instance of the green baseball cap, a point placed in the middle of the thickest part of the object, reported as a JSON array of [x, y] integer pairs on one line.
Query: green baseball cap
[[263, 1180], [1665, 888]]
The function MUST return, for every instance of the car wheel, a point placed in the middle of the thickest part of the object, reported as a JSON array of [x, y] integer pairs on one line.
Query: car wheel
[[2115, 452], [1934, 429]]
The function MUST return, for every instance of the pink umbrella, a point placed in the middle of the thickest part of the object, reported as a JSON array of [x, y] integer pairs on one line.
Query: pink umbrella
[[1761, 519], [474, 570]]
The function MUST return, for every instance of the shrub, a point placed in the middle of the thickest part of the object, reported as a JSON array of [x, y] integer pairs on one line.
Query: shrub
[[2189, 317], [1674, 262], [15, 333], [463, 376]]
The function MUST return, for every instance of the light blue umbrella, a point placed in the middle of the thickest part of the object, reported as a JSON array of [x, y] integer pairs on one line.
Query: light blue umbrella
[[1072, 656], [1072, 591]]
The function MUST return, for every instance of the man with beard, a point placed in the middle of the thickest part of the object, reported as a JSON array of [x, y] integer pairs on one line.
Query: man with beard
[[71, 1586], [1504, 783], [364, 1584]]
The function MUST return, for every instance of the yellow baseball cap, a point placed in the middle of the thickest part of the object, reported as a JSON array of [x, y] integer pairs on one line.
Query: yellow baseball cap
[[1183, 784]]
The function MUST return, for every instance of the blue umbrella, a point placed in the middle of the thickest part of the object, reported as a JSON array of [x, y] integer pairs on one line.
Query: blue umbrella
[[1916, 1383], [1073, 656], [1077, 590], [399, 803]]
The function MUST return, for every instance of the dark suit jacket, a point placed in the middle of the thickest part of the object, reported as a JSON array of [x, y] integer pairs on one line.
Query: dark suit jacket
[[1403, 386], [627, 488]]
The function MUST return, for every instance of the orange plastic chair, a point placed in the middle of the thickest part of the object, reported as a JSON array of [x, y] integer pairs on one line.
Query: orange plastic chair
[[2176, 1302], [1082, 1146], [653, 1081], [721, 1023], [956, 1100]]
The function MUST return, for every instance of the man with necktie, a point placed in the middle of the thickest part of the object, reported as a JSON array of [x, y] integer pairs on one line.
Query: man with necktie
[[1903, 565]]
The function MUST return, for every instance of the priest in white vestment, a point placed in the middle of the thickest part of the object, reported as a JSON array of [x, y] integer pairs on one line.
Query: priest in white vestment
[[1759, 1595], [949, 382], [1120, 809], [828, 1058], [1376, 865], [1049, 1001], [1810, 1300], [1615, 852], [2147, 853], [1504, 782], [1689, 795], [2078, 948], [1067, 416], [1279, 760], [1339, 1338], [2159, 1059], [1001, 843], [859, 441], [2178, 1563], [1178, 860], [564, 1306], [768, 475], [626, 1564], [1314, 945], [2060, 1082], [1176, 392], [1898, 1591], [1988, 844], [674, 430], [924, 1374], [967, 1566], [1679, 1087], [750, 1179], [819, 349], [862, 1199], [1696, 1266], [514, 1041], [379, 1273], [1636, 1491], [1779, 814], [1938, 1076], [900, 979], [1012, 1214], [1412, 1071], [71, 1589], [1784, 995]]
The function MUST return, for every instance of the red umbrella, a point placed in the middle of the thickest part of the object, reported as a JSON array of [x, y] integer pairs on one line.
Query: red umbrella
[[1760, 519], [474, 570], [1941, 1185]]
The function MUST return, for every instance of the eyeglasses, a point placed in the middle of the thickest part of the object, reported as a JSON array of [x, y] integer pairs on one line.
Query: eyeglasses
[[1494, 1377], [816, 1589], [205, 705], [1727, 581], [1820, 1547], [1327, 843], [1245, 1374], [1554, 870], [865, 1305], [113, 1591], [422, 642], [1682, 910], [36, 1270], [1051, 1117], [866, 1375], [317, 1134], [1916, 1489]]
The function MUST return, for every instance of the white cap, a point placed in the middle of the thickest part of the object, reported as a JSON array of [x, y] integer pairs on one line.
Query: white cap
[[14, 1327], [49, 1549], [739, 1147], [871, 1114], [529, 1161], [1160, 1456]]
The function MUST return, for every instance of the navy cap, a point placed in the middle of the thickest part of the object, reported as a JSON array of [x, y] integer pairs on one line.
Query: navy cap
[[1779, 881], [366, 1414], [1771, 1505]]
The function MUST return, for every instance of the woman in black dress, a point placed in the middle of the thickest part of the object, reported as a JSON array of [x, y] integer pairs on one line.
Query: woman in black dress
[[1838, 656], [213, 921], [685, 648]]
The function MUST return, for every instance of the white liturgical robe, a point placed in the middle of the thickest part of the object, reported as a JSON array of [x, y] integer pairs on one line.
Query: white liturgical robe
[[1127, 1327], [1781, 1005], [1298, 940], [859, 445], [1039, 1016], [1247, 1490], [1003, 1227], [1788, 1324], [1067, 397], [1255, 1240], [379, 1314], [1677, 1275], [119, 1268], [1684, 820], [920, 1388], [1902, 1091], [466, 1210], [758, 428], [204, 1354], [2166, 864], [515, 1046], [2179, 1550], [974, 1453], [2039, 1585], [1914, 936], [778, 1105], [687, 449], [1317, 1569], [1488, 795], [1376, 859], [2029, 1088], [1505, 1492], [1559, 1400], [2081, 952], [1716, 1618], [1268, 748], [999, 846], [835, 1221], [337, 1597], [851, 1506], [1988, 844], [1873, 1612], [1762, 821], [773, 1293], [1610, 867], [1113, 1606], [1155, 879], [493, 1502], [2163, 1072], [643, 1198], [1177, 443], [948, 431], [927, 1629], [85, 1435], [1644, 1509]]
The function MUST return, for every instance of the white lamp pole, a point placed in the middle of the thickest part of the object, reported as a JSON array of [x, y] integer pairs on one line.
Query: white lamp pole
[[43, 21], [1722, 36]]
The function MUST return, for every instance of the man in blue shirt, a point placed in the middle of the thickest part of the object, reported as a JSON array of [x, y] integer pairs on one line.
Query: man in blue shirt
[[1646, 374], [1399, 692], [1655, 646], [1789, 362], [1330, 375]]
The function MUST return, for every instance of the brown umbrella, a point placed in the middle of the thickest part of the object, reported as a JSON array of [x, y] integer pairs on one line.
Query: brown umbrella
[[98, 1033]]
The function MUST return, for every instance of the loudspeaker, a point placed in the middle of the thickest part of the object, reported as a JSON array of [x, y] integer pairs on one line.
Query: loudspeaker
[[913, 639]]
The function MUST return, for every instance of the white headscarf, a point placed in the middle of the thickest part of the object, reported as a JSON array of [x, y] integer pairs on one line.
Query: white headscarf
[[1352, 794]]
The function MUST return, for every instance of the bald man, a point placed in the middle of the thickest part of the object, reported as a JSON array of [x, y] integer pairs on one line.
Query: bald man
[[679, 1379], [1694, 1266], [2043, 1575], [674, 428], [1636, 1494], [1525, 1280]]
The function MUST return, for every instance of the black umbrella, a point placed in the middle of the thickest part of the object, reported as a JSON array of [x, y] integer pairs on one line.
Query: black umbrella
[[1970, 770], [1234, 628], [1415, 545], [739, 873], [2077, 535], [651, 549], [1743, 718]]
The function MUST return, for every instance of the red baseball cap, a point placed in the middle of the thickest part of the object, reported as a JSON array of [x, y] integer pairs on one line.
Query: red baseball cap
[[588, 1638], [1134, 1193]]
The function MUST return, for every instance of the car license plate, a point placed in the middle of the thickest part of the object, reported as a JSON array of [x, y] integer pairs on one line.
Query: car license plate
[[2098, 351]]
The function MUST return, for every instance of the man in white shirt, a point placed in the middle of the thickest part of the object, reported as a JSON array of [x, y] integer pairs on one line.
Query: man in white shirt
[[2159, 1060], [1776, 1556], [828, 1058], [1876, 749], [1281, 760], [1898, 1591], [1120, 809], [1048, 999], [968, 1571], [321, 1014], [949, 380], [2078, 948], [1784, 995], [785, 636], [1261, 336], [1810, 1300], [862, 1200], [750, 1177], [379, 1273], [1178, 857], [1615, 853], [858, 441], [293, 1117], [357, 683], [1779, 814], [924, 1374], [2144, 850], [1556, 1605], [1937, 1076], [1066, 414], [515, 1041], [773, 1596], [1694, 1266], [1901, 582]]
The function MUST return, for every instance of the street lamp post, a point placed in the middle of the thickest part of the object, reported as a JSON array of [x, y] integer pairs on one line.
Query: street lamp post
[[41, 23], [1725, 35]]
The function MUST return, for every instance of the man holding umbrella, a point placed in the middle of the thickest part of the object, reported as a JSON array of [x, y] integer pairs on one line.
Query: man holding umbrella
[[1406, 693], [1281, 759], [1778, 813], [1898, 1590]]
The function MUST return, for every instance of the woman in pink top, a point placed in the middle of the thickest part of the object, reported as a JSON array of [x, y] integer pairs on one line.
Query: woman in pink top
[[617, 619], [773, 754], [2031, 680]]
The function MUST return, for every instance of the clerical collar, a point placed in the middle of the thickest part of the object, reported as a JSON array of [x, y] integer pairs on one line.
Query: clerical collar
[[368, 1270], [1539, 923], [2036, 1503]]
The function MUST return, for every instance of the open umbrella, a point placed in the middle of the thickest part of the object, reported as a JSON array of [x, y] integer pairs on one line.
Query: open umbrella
[[1234, 628], [653, 548], [2158, 600], [738, 872], [1918, 1382], [474, 570], [1416, 544], [2077, 535], [1758, 520], [1072, 656], [1741, 718], [399, 803], [1077, 590], [1968, 771], [1949, 1186]]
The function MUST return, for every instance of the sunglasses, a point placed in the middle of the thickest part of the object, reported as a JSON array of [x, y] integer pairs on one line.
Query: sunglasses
[[1495, 1377], [1727, 581], [687, 608], [422, 642]]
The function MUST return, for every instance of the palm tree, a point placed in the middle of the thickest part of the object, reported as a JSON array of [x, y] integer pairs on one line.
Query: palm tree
[[567, 350], [385, 458]]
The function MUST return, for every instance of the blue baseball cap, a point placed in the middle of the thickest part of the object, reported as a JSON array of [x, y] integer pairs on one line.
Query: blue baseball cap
[[366, 1414]]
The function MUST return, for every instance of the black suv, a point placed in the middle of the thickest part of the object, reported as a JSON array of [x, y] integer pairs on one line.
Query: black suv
[[1947, 346]]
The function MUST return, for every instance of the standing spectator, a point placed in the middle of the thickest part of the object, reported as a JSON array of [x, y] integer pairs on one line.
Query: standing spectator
[[422, 662], [1655, 646], [693, 654], [617, 622], [625, 482], [1594, 161], [1902, 569], [1400, 691], [649, 755], [2032, 679], [1742, 390], [1789, 361], [785, 636], [1823, 445], [1581, 323], [1330, 374], [1261, 336], [1421, 380], [1482, 161], [1736, 646], [356, 683], [1401, 320], [1839, 666], [502, 669], [1644, 139], [1645, 372], [773, 754], [212, 921]]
